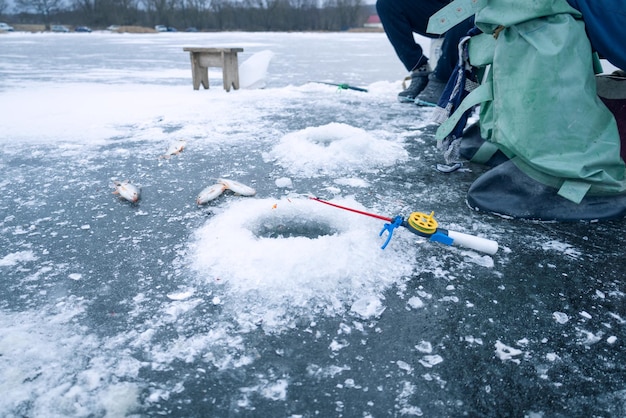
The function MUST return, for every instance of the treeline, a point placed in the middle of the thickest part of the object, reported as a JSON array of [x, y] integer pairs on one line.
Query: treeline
[[211, 15]]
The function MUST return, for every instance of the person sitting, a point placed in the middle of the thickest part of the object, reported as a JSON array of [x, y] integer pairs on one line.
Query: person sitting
[[540, 106], [402, 18]]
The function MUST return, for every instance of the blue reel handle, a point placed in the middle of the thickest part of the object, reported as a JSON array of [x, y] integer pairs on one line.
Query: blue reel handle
[[397, 221]]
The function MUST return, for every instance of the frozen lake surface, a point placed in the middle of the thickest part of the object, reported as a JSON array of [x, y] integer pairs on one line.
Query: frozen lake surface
[[273, 305]]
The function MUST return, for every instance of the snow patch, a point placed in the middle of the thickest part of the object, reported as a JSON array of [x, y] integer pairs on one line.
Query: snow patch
[[507, 353], [284, 183], [17, 258], [562, 247], [560, 317], [334, 149], [368, 307], [271, 258], [415, 302]]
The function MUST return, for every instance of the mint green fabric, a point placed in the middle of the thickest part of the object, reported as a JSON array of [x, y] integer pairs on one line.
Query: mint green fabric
[[512, 12], [454, 13], [544, 111], [484, 153]]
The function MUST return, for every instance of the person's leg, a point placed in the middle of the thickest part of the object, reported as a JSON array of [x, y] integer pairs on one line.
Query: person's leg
[[400, 18], [450, 49], [445, 65]]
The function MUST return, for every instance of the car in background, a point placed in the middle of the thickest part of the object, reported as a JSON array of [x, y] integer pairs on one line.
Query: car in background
[[82, 29], [113, 28], [163, 28], [4, 27], [59, 28], [192, 29]]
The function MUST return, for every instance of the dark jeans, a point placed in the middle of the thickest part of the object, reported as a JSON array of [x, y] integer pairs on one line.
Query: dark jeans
[[401, 18], [605, 22]]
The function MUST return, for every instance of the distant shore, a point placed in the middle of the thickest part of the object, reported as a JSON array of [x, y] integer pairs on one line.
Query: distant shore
[[34, 28]]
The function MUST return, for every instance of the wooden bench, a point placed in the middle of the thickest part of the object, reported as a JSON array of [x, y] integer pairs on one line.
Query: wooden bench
[[203, 58]]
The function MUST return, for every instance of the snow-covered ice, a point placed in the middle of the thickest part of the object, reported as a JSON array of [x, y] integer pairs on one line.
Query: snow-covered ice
[[272, 304]]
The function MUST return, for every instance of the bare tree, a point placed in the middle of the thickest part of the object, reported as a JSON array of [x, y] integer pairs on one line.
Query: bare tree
[[223, 11], [44, 8], [4, 6], [193, 12], [260, 15], [346, 13], [162, 11], [123, 12], [305, 13], [105, 12], [267, 14]]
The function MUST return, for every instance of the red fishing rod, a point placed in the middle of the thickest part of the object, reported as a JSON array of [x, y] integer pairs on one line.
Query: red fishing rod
[[425, 226]]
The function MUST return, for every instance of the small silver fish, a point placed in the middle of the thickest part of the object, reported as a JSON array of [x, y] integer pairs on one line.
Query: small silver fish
[[237, 187], [127, 191], [175, 148], [210, 193]]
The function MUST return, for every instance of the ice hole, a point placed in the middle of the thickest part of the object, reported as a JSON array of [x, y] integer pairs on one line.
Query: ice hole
[[323, 140], [277, 228]]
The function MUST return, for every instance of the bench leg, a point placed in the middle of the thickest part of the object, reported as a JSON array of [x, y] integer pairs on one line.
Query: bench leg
[[230, 71], [204, 77], [199, 74]]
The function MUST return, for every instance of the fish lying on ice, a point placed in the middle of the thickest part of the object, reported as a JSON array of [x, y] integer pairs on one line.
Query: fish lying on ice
[[175, 148], [237, 187], [127, 191], [215, 190], [210, 193]]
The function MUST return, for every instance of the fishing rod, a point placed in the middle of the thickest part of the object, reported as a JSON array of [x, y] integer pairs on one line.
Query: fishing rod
[[343, 86], [425, 226]]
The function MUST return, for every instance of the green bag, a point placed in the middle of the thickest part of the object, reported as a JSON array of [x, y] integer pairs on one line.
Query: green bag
[[538, 98]]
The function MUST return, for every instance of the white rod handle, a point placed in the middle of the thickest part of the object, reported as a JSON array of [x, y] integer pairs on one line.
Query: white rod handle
[[483, 245]]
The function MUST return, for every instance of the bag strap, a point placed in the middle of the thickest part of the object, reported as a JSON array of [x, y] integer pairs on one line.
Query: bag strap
[[481, 94], [574, 190], [452, 14], [485, 152]]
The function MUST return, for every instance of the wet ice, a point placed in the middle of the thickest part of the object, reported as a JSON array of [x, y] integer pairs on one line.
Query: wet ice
[[167, 308]]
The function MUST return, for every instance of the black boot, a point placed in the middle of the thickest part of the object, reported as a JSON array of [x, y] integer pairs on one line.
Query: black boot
[[419, 80], [432, 92], [507, 191]]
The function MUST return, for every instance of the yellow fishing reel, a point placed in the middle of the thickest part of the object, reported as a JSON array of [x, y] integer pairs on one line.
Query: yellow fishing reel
[[422, 224]]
